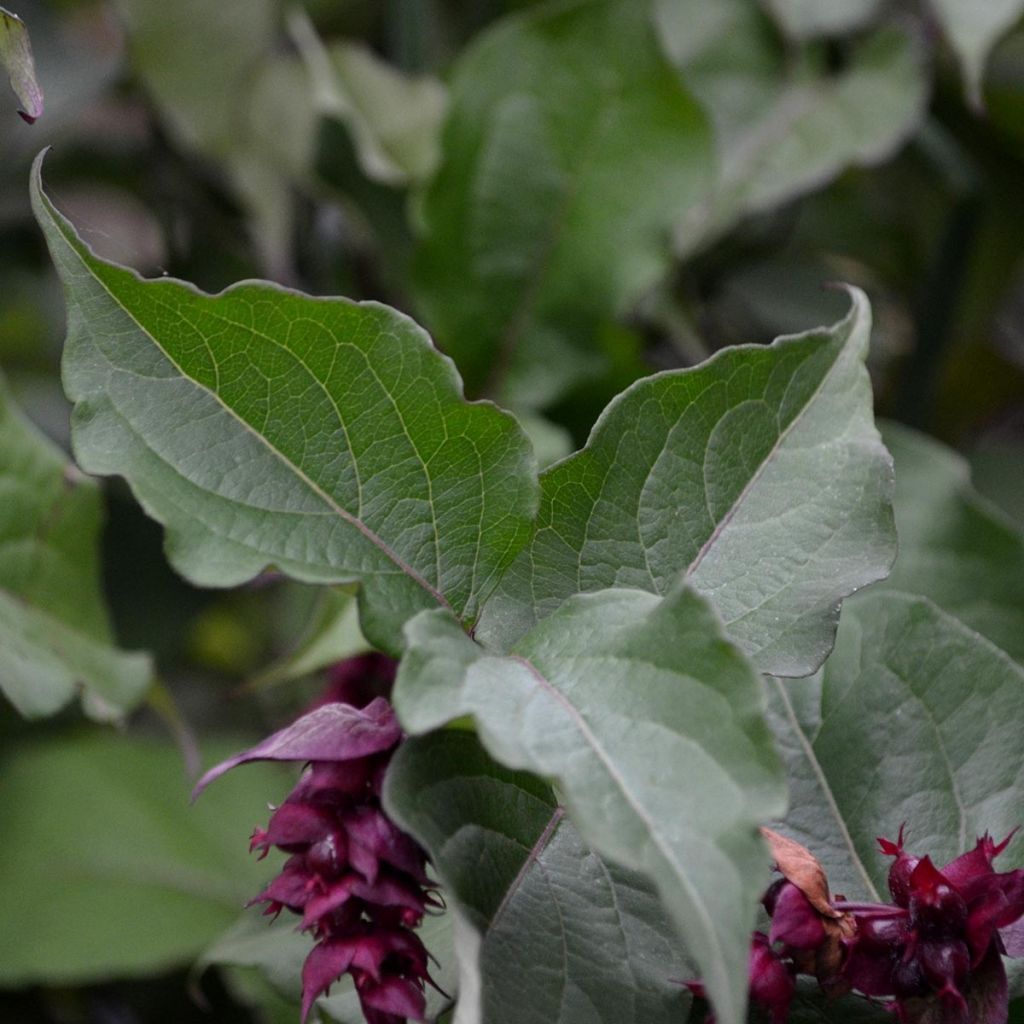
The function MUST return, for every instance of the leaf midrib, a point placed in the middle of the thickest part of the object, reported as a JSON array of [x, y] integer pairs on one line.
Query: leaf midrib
[[315, 488]]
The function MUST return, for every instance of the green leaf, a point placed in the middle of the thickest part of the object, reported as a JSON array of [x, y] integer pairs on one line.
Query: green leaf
[[783, 126], [915, 719], [265, 427], [16, 59], [571, 148], [564, 936], [606, 687], [395, 120], [107, 870], [973, 28], [758, 475], [54, 630], [956, 548], [806, 19]]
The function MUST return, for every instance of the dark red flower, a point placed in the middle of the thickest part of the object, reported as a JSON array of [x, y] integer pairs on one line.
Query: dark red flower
[[358, 881]]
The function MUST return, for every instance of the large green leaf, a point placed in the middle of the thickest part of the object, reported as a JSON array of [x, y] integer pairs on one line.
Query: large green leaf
[[973, 28], [955, 547], [915, 719], [107, 870], [265, 427], [783, 126], [570, 150], [759, 475], [650, 723], [565, 936], [54, 632]]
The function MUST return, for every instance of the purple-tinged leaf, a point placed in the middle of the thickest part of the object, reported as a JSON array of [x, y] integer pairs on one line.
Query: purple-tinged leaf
[[16, 57], [334, 732]]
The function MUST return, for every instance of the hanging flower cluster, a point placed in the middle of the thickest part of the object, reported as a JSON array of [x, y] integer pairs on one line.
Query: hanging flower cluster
[[932, 955], [357, 881]]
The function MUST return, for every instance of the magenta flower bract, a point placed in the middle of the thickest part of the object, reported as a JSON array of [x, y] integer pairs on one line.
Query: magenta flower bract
[[358, 882]]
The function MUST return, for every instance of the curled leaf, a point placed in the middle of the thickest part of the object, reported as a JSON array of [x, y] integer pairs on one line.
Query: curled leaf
[[803, 869], [16, 57]]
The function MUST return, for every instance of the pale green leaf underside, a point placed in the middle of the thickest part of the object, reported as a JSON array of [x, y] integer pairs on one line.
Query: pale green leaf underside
[[264, 427], [564, 936], [16, 60], [54, 633], [570, 150], [955, 547], [651, 725], [758, 475], [915, 719]]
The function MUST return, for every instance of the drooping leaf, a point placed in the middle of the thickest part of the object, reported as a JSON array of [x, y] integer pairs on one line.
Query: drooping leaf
[[107, 870], [54, 632], [265, 427], [16, 59], [564, 936], [395, 120], [570, 149], [759, 475], [785, 127], [956, 548], [915, 718], [973, 29], [607, 687], [806, 19]]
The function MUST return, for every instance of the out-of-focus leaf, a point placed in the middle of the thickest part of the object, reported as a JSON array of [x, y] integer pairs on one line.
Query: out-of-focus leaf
[[973, 27], [784, 128], [265, 427], [570, 149], [212, 73], [332, 634], [609, 685], [563, 935], [954, 546], [915, 718], [54, 632], [16, 58], [805, 19], [107, 870], [759, 475], [395, 120]]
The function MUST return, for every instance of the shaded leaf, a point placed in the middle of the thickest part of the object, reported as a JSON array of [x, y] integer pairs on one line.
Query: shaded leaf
[[564, 936], [133, 883], [265, 427], [956, 548], [758, 475], [915, 718], [570, 149], [16, 58], [54, 631], [609, 685]]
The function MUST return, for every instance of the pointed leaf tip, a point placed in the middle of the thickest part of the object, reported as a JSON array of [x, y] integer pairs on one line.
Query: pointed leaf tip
[[16, 57]]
